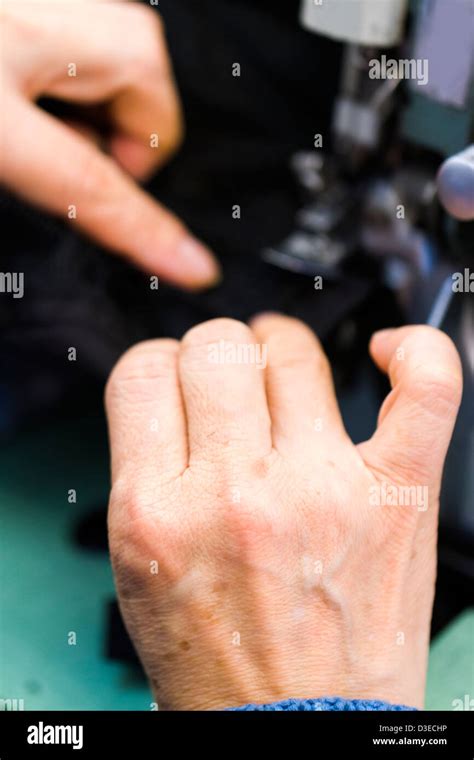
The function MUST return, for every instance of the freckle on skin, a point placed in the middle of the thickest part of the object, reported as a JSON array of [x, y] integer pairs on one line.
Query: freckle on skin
[[185, 645]]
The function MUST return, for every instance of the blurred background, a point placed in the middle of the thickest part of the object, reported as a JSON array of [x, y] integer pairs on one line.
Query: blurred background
[[365, 183]]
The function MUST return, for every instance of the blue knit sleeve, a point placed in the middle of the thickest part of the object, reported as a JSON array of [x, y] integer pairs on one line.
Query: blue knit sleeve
[[326, 703]]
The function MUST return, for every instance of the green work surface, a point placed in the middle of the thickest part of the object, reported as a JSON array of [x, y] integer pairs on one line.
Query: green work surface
[[51, 588]]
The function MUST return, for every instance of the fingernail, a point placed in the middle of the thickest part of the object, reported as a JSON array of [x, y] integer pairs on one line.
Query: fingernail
[[202, 269]]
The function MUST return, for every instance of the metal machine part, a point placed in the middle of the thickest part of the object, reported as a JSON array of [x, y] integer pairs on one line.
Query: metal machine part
[[364, 22], [382, 183], [366, 25], [362, 105], [327, 229], [324, 235], [456, 185]]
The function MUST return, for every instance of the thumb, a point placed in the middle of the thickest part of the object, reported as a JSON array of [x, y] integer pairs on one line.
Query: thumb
[[51, 166], [417, 418]]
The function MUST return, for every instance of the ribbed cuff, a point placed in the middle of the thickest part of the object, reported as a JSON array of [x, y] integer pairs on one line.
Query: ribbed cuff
[[326, 703]]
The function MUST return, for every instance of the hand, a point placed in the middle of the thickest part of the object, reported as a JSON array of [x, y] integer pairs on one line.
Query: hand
[[96, 53], [258, 553]]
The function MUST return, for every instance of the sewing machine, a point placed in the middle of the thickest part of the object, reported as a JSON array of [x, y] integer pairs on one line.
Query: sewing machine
[[397, 116]]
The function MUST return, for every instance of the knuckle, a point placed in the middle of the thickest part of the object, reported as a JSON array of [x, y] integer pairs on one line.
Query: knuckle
[[141, 532], [438, 370], [296, 357], [155, 22], [147, 52], [429, 335], [130, 502], [127, 535], [144, 16], [124, 509], [437, 386], [217, 329], [141, 365], [149, 358], [295, 346]]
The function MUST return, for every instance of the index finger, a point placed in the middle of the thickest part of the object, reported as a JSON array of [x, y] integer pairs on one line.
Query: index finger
[[50, 165]]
